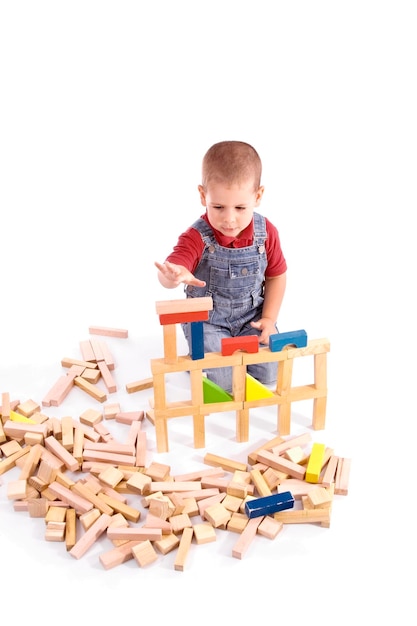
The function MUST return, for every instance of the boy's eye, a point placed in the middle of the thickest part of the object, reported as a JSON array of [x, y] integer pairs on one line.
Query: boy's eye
[[237, 208]]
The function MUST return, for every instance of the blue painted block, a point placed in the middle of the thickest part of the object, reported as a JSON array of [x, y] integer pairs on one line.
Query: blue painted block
[[197, 341], [269, 504], [296, 338]]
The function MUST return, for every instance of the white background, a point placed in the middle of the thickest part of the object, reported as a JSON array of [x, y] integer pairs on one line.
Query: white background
[[106, 109]]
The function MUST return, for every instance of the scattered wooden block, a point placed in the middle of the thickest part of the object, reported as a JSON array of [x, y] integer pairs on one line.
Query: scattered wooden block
[[10, 447], [121, 333], [93, 390], [319, 498], [167, 544], [91, 375], [204, 533], [246, 537], [269, 504], [90, 417], [85, 542], [17, 489], [183, 549], [111, 410], [342, 476], [139, 385], [237, 522], [28, 408], [217, 515], [107, 377], [144, 553], [228, 465], [127, 417], [52, 494], [55, 531], [270, 527], [315, 463]]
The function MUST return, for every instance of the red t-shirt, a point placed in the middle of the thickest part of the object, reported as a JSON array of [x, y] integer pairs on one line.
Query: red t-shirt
[[190, 247]]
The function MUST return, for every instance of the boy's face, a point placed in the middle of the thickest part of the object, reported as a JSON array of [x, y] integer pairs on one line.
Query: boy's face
[[230, 207]]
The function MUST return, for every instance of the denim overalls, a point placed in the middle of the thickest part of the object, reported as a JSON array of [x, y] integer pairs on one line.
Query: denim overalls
[[235, 280]]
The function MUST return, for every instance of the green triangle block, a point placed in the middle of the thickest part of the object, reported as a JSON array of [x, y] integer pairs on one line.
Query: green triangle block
[[256, 390], [214, 393]]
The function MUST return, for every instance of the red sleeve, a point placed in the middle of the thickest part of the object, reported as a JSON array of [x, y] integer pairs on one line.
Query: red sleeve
[[188, 250], [277, 264]]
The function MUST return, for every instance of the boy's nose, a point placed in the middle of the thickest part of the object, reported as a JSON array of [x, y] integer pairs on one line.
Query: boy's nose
[[229, 216]]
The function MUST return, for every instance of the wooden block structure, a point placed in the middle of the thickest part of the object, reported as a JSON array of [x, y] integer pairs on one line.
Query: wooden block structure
[[195, 309]]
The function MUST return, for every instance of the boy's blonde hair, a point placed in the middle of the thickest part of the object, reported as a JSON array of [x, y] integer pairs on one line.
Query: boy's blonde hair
[[231, 162]]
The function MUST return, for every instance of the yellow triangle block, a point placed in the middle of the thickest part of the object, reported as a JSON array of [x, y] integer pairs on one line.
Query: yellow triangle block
[[256, 390], [16, 417]]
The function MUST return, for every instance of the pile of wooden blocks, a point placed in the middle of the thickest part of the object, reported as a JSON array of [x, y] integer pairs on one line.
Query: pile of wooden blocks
[[90, 487]]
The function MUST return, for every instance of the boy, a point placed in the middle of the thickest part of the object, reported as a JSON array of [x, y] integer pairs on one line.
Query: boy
[[232, 254]]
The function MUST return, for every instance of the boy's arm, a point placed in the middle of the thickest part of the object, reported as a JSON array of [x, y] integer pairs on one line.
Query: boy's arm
[[273, 297], [171, 275]]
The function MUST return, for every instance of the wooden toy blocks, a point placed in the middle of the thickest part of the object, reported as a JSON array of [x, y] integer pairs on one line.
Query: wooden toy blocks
[[269, 504], [222, 495], [279, 341], [109, 332], [238, 353], [248, 343], [315, 463]]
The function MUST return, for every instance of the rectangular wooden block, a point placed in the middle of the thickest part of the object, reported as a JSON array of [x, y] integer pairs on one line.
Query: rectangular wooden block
[[93, 390], [182, 318], [108, 332], [315, 463], [269, 504], [183, 549], [283, 465], [186, 305]]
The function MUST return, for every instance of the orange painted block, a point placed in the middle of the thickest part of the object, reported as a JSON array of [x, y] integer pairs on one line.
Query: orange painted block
[[180, 318], [250, 343]]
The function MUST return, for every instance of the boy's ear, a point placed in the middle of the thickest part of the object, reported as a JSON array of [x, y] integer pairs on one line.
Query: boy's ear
[[259, 194], [202, 195]]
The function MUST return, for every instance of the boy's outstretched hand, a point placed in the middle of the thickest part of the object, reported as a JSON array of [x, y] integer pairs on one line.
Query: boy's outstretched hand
[[172, 275]]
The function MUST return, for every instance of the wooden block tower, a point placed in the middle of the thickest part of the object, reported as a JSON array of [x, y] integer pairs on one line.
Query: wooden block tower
[[236, 353]]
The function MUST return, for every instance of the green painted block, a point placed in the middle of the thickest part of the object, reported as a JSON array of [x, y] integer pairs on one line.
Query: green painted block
[[213, 393]]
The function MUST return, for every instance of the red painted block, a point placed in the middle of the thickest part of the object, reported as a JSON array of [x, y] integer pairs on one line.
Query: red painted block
[[179, 318], [249, 343]]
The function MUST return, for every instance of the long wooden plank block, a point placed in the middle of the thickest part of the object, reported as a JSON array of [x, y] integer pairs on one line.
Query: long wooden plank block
[[54, 446], [283, 465], [90, 536], [80, 504]]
